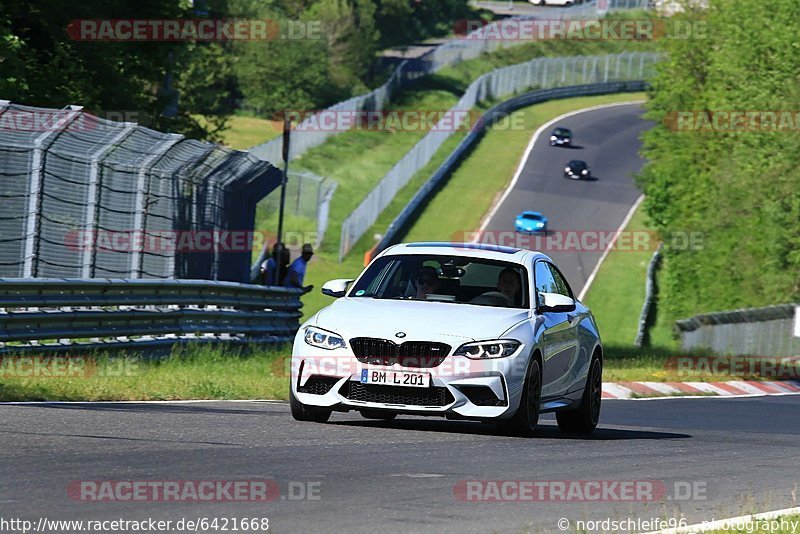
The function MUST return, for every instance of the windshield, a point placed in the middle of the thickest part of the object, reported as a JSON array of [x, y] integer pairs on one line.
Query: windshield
[[561, 131], [532, 216], [455, 279]]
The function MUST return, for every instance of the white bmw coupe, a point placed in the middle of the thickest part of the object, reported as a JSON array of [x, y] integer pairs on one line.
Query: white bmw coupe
[[464, 331]]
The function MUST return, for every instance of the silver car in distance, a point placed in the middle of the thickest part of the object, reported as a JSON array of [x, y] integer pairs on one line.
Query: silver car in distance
[[464, 331]]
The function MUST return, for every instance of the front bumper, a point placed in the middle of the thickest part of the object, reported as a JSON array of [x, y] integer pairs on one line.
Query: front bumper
[[537, 230], [459, 387]]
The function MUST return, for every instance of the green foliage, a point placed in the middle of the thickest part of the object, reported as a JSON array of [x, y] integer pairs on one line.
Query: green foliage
[[740, 189], [40, 65]]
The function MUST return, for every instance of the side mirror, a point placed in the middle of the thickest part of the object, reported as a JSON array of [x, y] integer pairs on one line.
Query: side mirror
[[336, 288], [554, 302]]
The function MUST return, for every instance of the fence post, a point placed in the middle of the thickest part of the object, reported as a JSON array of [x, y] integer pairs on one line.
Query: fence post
[[142, 194], [93, 204]]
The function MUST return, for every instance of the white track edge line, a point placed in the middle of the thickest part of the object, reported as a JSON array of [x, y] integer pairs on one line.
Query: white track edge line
[[521, 165], [610, 246], [742, 396]]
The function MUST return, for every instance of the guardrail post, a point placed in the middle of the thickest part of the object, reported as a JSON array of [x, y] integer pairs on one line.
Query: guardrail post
[[31, 266]]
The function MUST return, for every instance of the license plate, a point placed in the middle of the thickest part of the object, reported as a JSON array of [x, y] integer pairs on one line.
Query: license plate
[[396, 378]]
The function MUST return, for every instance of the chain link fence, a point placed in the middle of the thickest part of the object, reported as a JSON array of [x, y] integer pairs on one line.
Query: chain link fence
[[451, 52], [308, 199], [85, 197], [539, 73], [769, 331]]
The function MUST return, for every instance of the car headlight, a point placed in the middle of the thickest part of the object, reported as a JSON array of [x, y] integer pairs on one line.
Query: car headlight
[[585, 171], [552, 137], [539, 224], [316, 337], [478, 350], [566, 169]]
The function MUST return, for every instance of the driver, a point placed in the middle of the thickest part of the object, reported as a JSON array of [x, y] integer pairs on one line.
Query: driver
[[426, 281], [508, 285]]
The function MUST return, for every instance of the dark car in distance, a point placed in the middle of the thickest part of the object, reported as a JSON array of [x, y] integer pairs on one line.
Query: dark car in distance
[[577, 169], [561, 136]]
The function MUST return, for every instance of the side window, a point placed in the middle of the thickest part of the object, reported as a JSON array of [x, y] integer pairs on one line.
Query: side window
[[562, 288], [545, 283]]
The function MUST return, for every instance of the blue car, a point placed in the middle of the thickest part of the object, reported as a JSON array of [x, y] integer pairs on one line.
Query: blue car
[[531, 222]]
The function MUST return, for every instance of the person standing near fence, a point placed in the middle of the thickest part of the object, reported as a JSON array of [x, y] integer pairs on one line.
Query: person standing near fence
[[297, 270], [269, 269]]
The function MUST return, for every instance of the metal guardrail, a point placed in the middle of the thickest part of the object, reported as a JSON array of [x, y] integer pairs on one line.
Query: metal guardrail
[[649, 298], [769, 331], [69, 314], [399, 224]]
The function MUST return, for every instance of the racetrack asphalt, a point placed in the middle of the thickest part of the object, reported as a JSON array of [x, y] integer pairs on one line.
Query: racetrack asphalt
[[737, 454], [608, 140]]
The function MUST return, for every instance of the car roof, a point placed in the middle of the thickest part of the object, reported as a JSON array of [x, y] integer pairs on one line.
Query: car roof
[[530, 212], [562, 129], [577, 162], [473, 250]]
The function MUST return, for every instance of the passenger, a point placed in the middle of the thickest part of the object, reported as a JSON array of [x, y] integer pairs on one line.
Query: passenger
[[269, 268], [508, 284]]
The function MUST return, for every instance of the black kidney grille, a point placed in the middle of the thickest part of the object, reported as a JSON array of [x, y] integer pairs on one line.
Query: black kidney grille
[[318, 385], [418, 354], [432, 396]]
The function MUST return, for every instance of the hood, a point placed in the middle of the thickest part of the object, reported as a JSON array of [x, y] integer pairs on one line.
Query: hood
[[420, 320]]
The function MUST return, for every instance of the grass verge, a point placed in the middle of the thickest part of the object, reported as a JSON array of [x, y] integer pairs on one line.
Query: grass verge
[[245, 132], [189, 373]]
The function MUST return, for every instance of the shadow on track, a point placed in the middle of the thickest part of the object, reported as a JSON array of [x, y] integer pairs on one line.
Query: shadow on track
[[544, 431]]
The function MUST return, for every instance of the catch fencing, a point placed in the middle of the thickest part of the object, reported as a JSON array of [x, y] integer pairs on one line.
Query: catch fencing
[[769, 331], [541, 72], [449, 53], [70, 182], [39, 315], [308, 203], [308, 199]]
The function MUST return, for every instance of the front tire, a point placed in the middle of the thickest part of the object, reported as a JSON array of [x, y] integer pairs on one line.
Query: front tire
[[301, 412], [584, 420], [524, 422]]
